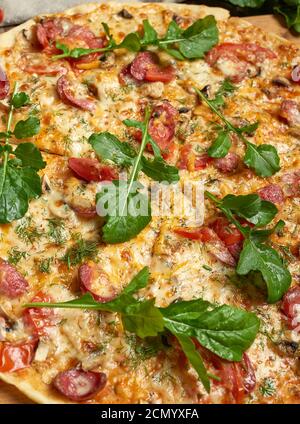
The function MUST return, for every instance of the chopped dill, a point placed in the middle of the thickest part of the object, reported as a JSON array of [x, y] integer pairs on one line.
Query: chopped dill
[[267, 388], [15, 255], [45, 265], [56, 230], [27, 231], [81, 250]]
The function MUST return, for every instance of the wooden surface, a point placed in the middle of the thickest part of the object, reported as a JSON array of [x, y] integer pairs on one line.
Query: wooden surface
[[9, 394]]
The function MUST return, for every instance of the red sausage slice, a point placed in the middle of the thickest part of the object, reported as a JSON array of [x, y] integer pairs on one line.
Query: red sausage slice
[[78, 385], [4, 84], [92, 170], [272, 193], [291, 184], [290, 307], [227, 164], [162, 126], [290, 112], [16, 356], [12, 283], [39, 319], [66, 93], [146, 67], [95, 281], [296, 74]]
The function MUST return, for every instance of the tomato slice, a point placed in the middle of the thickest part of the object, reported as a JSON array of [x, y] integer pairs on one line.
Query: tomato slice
[[16, 356], [249, 52], [91, 170], [290, 307], [146, 67], [39, 318], [203, 234], [227, 232]]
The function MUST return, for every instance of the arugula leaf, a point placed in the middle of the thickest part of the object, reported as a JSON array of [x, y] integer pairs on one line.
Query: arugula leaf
[[221, 145], [159, 170], [263, 159], [19, 181], [27, 128], [250, 207], [259, 257], [291, 15], [127, 220], [109, 147], [30, 155], [131, 42], [150, 35], [224, 330], [20, 99], [17, 187], [195, 359], [248, 3], [256, 256], [226, 89]]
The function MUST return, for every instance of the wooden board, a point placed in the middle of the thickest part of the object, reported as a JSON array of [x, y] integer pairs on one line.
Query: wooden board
[[9, 394]]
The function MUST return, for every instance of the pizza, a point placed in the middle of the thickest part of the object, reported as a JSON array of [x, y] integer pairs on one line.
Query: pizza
[[142, 307]]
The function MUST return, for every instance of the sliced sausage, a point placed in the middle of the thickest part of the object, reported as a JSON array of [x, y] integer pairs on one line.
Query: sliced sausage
[[12, 283], [94, 279], [272, 193]]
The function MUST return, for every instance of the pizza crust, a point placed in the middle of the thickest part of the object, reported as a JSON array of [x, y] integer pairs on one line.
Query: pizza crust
[[7, 39]]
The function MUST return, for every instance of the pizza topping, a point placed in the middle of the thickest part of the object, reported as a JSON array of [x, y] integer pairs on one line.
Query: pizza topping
[[4, 84], [239, 58], [39, 319], [290, 307], [162, 125], [227, 164], [67, 95], [95, 281], [145, 67], [192, 161], [215, 246], [12, 283], [16, 356], [125, 14], [291, 184], [290, 112], [263, 159], [191, 43], [120, 227], [296, 74], [256, 255], [271, 192], [49, 30], [91, 170], [197, 319], [85, 212], [31, 63], [79, 385]]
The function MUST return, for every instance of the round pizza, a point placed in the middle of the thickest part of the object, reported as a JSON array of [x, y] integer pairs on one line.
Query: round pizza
[[100, 106]]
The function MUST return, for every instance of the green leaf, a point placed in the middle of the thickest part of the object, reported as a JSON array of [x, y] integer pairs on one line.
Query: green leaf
[[140, 281], [259, 236], [27, 128], [127, 213], [250, 207], [109, 147], [226, 89], [17, 187], [150, 35], [143, 319], [224, 330], [30, 155], [248, 3], [173, 32], [195, 359], [248, 129], [291, 15], [131, 42], [199, 38], [221, 145], [259, 257], [159, 170], [263, 159], [20, 99]]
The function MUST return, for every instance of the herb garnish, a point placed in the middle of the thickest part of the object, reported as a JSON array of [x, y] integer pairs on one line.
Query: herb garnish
[[191, 43], [19, 180], [124, 220], [82, 249], [256, 255], [224, 330], [263, 159]]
